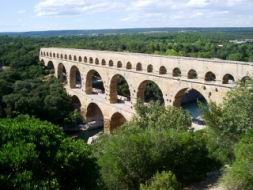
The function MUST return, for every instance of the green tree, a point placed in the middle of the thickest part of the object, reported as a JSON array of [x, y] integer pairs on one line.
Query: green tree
[[37, 155]]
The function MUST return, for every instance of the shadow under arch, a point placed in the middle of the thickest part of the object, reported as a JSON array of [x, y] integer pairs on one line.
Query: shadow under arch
[[62, 74], [94, 115], [149, 91], [75, 78], [119, 89], [188, 99], [50, 67], [94, 83], [116, 121], [76, 103]]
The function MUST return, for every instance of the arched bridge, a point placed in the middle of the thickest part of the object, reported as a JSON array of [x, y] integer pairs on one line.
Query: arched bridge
[[92, 78]]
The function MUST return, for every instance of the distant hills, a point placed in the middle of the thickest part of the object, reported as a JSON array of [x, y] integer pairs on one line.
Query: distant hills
[[63, 33]]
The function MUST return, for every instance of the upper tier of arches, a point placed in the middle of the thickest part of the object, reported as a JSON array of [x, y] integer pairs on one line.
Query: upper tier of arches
[[150, 69]]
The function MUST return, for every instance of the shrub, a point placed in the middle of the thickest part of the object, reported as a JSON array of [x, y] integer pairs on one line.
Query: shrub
[[240, 175], [132, 156], [162, 181]]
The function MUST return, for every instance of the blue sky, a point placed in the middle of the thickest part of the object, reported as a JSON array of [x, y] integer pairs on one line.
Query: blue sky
[[36, 15]]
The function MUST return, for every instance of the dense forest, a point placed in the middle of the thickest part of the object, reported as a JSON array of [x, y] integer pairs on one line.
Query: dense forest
[[156, 150]]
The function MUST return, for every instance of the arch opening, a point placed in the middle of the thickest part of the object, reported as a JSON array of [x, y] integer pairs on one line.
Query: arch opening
[[245, 79], [110, 63], [117, 120], [50, 67], [97, 61], [162, 70], [103, 62], [228, 79], [80, 59], [150, 69], [128, 66], [188, 99], [119, 64], [139, 67], [210, 77], [75, 78], [76, 103], [94, 83], [94, 116], [192, 74], [176, 72], [91, 60], [149, 91], [62, 74], [119, 90]]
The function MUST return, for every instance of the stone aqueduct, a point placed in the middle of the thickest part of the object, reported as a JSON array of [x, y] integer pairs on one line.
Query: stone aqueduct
[[174, 76]]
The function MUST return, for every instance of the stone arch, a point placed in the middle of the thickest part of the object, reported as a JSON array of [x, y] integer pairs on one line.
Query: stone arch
[[188, 99], [53, 55], [96, 61], [139, 67], [210, 76], [192, 74], [162, 70], [65, 56], [228, 79], [94, 115], [119, 64], [61, 56], [75, 59], [62, 74], [245, 79], [50, 54], [150, 68], [75, 78], [94, 83], [149, 91], [57, 55], [128, 66], [116, 121], [110, 63], [50, 67], [47, 54], [85, 59], [116, 95], [80, 59], [76, 103], [103, 62], [70, 57], [176, 72], [91, 60]]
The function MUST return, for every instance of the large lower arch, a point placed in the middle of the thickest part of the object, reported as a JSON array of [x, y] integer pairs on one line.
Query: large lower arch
[[75, 78], [62, 74], [116, 121], [94, 83], [119, 90], [149, 91], [188, 99], [94, 115], [50, 67]]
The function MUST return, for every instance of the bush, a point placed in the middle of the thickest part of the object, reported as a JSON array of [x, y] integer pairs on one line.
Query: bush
[[162, 181], [240, 175], [227, 123], [133, 155], [37, 155]]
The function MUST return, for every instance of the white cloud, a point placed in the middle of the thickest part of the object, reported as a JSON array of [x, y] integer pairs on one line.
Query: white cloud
[[165, 12]]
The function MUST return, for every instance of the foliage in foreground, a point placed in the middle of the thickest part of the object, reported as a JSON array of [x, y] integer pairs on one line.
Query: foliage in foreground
[[162, 181], [37, 155], [239, 176], [229, 122], [135, 153]]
